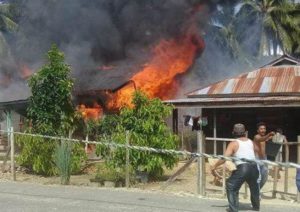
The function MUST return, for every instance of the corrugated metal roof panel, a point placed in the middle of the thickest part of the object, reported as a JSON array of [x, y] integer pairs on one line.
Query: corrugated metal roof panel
[[266, 80], [203, 91], [217, 88], [297, 71], [266, 85], [296, 85], [229, 86]]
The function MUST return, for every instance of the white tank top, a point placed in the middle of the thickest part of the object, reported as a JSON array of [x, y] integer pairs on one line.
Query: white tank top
[[245, 150]]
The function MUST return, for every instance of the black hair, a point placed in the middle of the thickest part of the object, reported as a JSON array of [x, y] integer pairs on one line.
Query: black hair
[[260, 124]]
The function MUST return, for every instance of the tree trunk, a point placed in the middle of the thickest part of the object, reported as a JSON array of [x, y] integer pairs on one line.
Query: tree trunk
[[275, 45]]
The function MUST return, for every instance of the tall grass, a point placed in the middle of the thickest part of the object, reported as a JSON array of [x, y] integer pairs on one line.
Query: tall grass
[[62, 158]]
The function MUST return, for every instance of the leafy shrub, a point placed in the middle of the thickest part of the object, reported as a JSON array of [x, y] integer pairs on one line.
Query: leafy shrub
[[108, 173], [145, 122], [38, 155]]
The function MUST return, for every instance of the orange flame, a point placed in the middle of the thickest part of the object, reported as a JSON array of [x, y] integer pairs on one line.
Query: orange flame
[[93, 113], [122, 97], [26, 72], [157, 78]]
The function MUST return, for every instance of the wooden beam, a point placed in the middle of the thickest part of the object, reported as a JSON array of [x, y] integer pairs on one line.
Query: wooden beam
[[215, 131], [201, 176], [175, 121], [177, 173], [8, 128], [298, 161]]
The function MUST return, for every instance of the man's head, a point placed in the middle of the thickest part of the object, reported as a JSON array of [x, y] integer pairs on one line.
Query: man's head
[[238, 130], [261, 128], [279, 130]]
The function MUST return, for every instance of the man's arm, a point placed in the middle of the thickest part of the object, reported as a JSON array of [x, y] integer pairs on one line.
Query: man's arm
[[267, 137], [229, 152]]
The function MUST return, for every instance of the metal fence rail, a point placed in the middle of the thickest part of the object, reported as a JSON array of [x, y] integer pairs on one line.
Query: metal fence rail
[[162, 151], [201, 155], [275, 190]]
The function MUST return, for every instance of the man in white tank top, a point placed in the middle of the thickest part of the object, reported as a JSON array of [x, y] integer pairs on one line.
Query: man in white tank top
[[248, 172]]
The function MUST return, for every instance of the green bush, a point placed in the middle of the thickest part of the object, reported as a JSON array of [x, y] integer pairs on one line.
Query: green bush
[[37, 154], [145, 122], [108, 173]]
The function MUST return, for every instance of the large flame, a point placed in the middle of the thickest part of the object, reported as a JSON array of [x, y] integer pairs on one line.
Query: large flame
[[157, 78]]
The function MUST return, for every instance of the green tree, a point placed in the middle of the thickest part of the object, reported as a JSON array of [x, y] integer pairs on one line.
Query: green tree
[[7, 22], [147, 127], [52, 113], [222, 30], [8, 26], [50, 108], [277, 19]]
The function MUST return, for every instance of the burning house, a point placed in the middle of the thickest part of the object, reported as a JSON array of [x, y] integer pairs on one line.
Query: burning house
[[122, 46], [112, 87], [119, 47], [270, 94]]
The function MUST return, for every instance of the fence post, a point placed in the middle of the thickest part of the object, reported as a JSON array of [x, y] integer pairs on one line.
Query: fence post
[[298, 161], [275, 181], [86, 144], [127, 181], [286, 169], [12, 154], [70, 134], [215, 132], [201, 165], [224, 172]]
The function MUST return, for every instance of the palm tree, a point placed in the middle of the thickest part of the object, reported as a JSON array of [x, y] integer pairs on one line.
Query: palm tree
[[7, 25], [222, 32], [278, 20], [295, 35], [6, 20]]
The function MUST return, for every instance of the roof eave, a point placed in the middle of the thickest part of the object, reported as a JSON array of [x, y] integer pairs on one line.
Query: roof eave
[[231, 95]]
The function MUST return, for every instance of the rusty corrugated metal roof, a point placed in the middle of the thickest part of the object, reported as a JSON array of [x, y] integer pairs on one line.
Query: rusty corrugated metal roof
[[271, 101], [266, 81]]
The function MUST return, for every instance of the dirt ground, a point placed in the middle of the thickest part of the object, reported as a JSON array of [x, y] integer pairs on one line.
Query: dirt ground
[[184, 185]]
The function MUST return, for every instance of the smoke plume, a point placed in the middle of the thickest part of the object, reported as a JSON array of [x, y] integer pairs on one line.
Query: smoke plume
[[98, 33]]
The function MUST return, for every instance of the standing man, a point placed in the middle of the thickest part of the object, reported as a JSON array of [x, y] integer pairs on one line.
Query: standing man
[[241, 147], [279, 138], [260, 140]]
